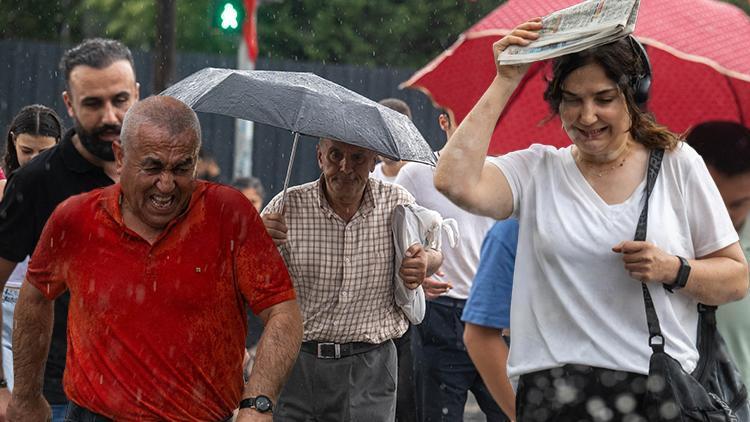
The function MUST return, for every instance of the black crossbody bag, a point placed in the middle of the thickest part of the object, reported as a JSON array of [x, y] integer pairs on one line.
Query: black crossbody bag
[[714, 392]]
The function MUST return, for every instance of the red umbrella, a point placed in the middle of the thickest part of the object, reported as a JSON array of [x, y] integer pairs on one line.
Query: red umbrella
[[699, 51]]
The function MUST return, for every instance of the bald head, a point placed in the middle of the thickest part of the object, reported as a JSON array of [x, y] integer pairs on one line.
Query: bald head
[[165, 113]]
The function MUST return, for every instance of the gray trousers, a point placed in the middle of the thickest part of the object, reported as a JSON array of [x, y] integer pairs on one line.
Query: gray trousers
[[355, 388]]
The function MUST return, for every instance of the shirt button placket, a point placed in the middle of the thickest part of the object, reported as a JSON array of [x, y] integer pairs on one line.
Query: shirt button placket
[[345, 282]]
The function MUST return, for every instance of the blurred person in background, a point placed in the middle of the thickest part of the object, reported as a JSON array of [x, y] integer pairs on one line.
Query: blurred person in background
[[36, 128], [208, 169], [407, 405], [387, 169], [725, 147], [253, 190], [445, 370], [487, 312], [100, 86]]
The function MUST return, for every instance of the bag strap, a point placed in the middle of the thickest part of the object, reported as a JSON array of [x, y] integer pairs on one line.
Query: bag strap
[[655, 340]]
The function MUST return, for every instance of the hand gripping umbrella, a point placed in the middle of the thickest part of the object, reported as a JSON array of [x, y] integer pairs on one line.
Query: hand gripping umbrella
[[303, 103]]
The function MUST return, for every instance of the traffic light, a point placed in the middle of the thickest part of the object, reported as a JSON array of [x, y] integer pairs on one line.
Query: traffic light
[[227, 15]]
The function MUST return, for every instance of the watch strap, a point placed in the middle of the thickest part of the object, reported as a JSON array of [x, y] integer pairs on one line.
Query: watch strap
[[260, 403], [247, 403], [682, 276]]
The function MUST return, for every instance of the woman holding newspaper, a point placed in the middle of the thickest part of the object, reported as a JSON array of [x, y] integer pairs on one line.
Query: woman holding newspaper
[[580, 341]]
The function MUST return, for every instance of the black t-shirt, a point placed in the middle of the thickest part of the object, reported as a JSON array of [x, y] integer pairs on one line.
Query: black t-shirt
[[32, 193]]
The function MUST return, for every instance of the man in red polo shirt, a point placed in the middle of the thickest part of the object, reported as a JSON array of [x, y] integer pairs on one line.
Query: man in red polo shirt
[[160, 269]]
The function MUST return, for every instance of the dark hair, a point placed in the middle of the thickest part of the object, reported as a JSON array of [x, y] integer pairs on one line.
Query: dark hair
[[250, 183], [94, 52], [444, 112], [37, 120], [723, 145], [622, 65], [397, 105]]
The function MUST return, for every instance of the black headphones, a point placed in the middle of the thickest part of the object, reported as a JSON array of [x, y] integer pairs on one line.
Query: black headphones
[[641, 83]]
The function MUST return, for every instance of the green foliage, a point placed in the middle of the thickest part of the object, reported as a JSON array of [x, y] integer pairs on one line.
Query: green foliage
[[742, 4], [134, 22], [395, 32], [373, 32], [38, 19]]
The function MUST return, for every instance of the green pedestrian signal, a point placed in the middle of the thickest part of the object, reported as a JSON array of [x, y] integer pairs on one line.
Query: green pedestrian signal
[[227, 15]]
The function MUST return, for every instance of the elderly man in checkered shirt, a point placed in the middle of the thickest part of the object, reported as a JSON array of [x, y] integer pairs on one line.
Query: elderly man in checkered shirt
[[335, 237]]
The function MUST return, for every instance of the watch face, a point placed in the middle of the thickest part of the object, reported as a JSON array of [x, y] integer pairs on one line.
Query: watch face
[[263, 403]]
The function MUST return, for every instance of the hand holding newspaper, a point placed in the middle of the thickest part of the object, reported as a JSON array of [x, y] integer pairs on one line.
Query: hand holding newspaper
[[576, 28]]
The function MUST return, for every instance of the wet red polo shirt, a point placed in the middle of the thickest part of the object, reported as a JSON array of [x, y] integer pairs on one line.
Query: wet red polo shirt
[[157, 332]]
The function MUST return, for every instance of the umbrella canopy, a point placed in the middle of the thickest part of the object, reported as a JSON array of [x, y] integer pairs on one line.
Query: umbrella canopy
[[699, 51], [306, 104]]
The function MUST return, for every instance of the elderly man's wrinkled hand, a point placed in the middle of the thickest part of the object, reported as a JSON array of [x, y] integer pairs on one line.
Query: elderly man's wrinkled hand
[[434, 288], [414, 266], [276, 228]]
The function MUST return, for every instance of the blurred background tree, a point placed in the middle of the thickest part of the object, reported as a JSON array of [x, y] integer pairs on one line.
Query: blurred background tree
[[403, 33]]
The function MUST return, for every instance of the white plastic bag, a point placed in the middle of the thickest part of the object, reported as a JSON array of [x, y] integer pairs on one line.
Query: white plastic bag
[[414, 224]]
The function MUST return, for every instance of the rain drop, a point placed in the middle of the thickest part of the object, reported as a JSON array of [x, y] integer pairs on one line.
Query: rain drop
[[140, 293]]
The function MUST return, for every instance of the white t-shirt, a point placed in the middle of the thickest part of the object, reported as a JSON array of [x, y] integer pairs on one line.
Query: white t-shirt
[[459, 263], [378, 174], [573, 301]]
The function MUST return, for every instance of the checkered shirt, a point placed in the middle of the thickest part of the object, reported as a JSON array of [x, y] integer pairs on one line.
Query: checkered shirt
[[343, 272]]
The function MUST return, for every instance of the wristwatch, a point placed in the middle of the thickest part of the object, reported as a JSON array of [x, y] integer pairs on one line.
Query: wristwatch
[[3, 383], [260, 403], [682, 276]]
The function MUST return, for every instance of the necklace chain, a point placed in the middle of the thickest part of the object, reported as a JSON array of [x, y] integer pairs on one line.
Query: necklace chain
[[602, 171]]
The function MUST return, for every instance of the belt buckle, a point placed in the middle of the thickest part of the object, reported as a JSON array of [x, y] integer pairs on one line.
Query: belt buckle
[[329, 351]]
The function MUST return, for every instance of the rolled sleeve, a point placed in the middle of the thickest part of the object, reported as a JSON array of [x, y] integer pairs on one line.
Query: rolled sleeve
[[262, 274], [47, 270]]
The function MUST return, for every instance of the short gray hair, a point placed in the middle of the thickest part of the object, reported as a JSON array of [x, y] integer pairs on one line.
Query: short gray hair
[[164, 112]]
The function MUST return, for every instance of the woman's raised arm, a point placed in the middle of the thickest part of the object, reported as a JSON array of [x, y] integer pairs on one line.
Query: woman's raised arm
[[462, 174]]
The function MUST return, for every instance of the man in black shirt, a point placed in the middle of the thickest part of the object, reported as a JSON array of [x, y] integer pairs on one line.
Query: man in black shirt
[[101, 87]]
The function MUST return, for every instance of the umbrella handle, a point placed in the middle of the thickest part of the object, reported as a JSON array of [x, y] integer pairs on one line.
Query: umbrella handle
[[289, 170]]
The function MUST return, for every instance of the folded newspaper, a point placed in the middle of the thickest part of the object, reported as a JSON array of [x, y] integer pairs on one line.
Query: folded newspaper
[[412, 224], [576, 28]]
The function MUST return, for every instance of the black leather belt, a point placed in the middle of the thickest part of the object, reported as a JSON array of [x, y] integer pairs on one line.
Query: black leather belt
[[323, 350], [76, 413]]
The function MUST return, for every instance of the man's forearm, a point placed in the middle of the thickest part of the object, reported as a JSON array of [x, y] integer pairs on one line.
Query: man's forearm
[[489, 353], [31, 338], [434, 261], [277, 350]]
